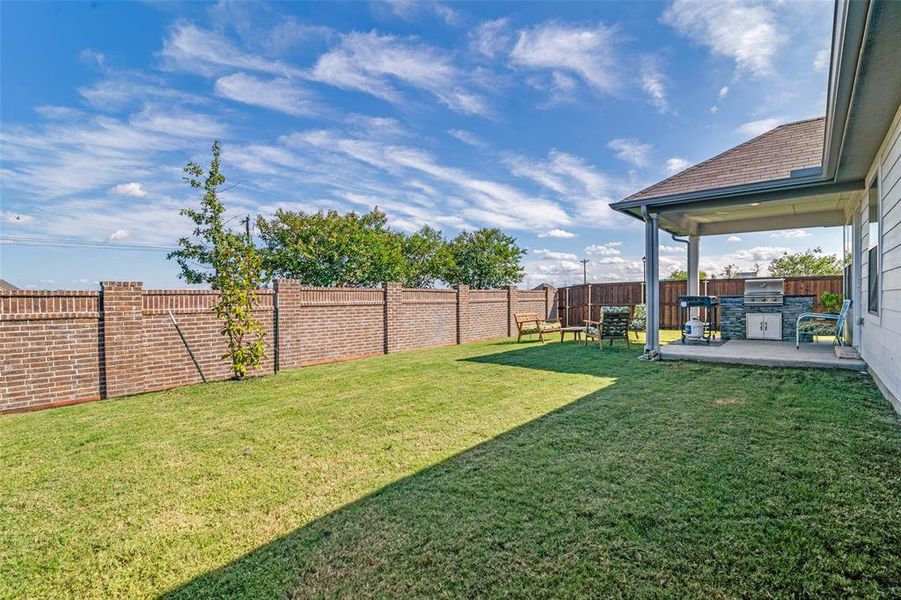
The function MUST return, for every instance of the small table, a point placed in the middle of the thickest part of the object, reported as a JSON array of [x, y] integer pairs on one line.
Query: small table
[[576, 331]]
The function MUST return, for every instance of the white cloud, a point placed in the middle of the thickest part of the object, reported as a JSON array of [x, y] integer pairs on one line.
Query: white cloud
[[467, 137], [724, 91], [128, 189], [790, 234], [654, 84], [760, 253], [411, 9], [631, 150], [587, 52], [675, 165], [278, 94], [665, 249], [746, 32], [821, 60], [118, 235], [375, 64], [733, 239], [761, 126], [14, 218], [557, 233], [491, 38], [552, 255], [607, 249]]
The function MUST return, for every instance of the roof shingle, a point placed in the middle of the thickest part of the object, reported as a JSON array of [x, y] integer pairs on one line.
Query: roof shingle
[[772, 155]]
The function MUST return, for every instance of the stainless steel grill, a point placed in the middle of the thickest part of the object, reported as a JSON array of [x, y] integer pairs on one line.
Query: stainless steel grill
[[763, 291]]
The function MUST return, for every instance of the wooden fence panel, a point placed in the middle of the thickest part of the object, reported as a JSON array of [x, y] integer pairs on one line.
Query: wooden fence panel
[[576, 303]]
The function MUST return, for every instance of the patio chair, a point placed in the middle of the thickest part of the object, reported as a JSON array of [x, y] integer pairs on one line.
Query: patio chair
[[814, 324], [638, 320], [614, 325], [527, 323]]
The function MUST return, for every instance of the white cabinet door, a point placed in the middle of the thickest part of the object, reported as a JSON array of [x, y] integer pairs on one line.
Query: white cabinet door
[[754, 326], [772, 327]]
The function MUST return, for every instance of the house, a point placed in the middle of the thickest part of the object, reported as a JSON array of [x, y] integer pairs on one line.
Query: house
[[6, 286], [842, 169]]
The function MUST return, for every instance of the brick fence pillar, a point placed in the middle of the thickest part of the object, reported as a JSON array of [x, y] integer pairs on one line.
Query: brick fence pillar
[[393, 307], [462, 313], [122, 356], [549, 294], [288, 324], [511, 309]]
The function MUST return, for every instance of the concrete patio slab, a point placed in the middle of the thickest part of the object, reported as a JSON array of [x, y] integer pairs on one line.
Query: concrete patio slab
[[762, 353]]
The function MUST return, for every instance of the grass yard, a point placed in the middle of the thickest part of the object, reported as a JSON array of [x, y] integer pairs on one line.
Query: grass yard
[[490, 469]]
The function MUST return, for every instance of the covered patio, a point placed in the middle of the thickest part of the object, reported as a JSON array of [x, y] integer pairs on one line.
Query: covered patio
[[772, 182]]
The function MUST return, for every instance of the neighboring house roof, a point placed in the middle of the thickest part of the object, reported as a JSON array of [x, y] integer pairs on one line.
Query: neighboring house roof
[[542, 286], [770, 156], [5, 285]]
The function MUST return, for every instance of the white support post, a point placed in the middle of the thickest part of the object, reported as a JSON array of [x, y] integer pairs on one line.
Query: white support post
[[694, 279], [652, 275]]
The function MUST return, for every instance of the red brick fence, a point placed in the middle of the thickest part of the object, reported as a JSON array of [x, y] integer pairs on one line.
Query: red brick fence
[[64, 347]]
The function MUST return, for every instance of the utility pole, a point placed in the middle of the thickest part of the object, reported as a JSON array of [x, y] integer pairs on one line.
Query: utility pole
[[247, 227], [584, 262]]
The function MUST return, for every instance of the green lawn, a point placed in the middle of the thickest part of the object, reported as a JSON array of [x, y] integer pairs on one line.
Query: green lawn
[[485, 469]]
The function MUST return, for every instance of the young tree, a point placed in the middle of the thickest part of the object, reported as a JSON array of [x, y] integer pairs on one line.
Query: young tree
[[331, 249], [730, 271], [426, 256], [804, 264], [228, 262], [485, 258]]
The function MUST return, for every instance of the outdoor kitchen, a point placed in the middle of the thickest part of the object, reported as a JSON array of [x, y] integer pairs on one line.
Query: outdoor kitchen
[[764, 312]]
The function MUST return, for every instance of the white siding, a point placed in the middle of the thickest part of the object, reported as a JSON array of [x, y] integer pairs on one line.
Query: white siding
[[881, 336]]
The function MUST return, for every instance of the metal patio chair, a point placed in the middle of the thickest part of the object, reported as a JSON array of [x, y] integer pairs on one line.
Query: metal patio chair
[[814, 324]]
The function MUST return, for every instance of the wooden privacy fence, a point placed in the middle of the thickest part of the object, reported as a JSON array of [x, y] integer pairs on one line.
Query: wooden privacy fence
[[579, 302]]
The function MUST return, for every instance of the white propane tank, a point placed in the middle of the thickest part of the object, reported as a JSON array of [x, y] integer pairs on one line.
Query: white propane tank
[[694, 328]]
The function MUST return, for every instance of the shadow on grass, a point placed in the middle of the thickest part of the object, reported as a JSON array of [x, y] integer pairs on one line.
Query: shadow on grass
[[674, 480]]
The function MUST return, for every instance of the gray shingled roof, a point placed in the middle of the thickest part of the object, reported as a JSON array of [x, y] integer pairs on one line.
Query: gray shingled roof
[[772, 155]]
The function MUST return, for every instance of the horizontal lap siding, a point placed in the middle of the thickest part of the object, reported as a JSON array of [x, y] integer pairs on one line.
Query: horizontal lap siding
[[881, 334], [487, 314], [429, 318], [50, 348]]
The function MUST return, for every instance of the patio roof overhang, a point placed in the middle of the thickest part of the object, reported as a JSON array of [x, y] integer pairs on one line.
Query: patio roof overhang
[[780, 204]]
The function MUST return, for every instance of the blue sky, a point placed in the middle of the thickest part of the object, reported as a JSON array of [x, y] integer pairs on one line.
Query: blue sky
[[531, 117]]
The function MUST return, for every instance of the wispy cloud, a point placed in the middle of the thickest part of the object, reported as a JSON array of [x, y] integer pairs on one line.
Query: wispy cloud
[[653, 83], [376, 64], [746, 32], [491, 38], [608, 249], [467, 137], [278, 94], [589, 53], [631, 150]]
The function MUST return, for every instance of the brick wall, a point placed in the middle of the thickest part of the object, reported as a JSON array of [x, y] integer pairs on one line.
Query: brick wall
[[64, 347]]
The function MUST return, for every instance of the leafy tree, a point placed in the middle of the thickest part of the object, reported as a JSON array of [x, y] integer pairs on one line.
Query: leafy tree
[[331, 249], [426, 256], [228, 262], [485, 258], [682, 275], [805, 264]]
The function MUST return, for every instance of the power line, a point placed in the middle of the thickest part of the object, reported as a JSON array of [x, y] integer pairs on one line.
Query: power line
[[76, 243]]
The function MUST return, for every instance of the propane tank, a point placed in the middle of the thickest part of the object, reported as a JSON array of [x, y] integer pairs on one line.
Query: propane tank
[[694, 328]]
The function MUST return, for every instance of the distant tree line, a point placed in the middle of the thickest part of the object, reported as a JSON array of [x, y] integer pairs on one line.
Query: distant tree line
[[327, 248]]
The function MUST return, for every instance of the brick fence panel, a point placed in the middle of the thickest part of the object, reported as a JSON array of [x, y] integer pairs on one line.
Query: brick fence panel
[[487, 315], [429, 318], [50, 348]]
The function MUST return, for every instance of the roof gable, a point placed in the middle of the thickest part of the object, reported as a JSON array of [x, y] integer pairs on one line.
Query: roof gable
[[770, 156]]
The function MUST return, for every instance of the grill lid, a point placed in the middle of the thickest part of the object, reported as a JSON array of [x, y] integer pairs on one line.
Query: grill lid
[[764, 287]]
